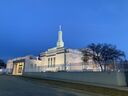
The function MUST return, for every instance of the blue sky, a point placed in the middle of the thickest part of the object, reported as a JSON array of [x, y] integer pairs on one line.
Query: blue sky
[[31, 26]]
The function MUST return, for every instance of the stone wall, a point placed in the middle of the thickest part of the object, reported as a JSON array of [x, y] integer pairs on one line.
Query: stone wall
[[105, 78]]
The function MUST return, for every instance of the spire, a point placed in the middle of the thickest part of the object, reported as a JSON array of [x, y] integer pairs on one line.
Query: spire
[[60, 28], [60, 42]]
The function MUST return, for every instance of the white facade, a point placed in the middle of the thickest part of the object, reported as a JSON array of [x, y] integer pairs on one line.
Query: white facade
[[9, 66], [54, 59], [59, 59], [24, 64]]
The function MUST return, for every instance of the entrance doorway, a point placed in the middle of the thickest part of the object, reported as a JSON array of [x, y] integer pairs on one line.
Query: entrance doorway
[[18, 68]]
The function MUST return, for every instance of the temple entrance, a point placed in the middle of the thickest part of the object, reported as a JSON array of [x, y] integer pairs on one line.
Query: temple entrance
[[18, 68]]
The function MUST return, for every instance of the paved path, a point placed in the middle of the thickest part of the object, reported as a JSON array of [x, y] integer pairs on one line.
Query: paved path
[[12, 86]]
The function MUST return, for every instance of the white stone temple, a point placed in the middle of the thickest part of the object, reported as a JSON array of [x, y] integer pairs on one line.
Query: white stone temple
[[54, 59], [59, 57]]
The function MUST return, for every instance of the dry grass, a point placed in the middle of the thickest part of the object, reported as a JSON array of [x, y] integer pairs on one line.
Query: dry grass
[[81, 87]]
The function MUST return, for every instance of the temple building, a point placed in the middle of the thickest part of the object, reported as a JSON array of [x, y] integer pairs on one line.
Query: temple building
[[59, 57], [54, 59]]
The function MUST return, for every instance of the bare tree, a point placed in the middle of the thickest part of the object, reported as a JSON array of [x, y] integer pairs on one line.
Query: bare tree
[[102, 53]]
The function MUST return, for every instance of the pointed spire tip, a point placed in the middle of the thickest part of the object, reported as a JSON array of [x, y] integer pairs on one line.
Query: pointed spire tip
[[60, 28]]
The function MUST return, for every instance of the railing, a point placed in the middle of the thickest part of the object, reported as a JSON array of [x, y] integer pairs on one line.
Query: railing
[[84, 67], [79, 67], [67, 67]]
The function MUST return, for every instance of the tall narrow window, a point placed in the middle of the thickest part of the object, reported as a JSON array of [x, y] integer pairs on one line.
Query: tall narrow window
[[48, 62], [51, 62], [54, 62]]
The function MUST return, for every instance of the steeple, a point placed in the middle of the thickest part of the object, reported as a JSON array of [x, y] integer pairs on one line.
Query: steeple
[[60, 42], [60, 27]]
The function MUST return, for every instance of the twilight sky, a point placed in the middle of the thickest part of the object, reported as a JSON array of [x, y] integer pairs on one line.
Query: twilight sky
[[31, 26]]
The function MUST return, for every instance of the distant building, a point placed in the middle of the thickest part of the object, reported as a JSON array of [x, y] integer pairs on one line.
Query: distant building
[[54, 59]]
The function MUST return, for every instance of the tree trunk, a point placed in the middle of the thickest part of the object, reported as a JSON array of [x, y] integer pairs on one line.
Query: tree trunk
[[101, 67]]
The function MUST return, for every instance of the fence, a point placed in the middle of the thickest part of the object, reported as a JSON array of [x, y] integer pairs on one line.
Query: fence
[[82, 67]]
